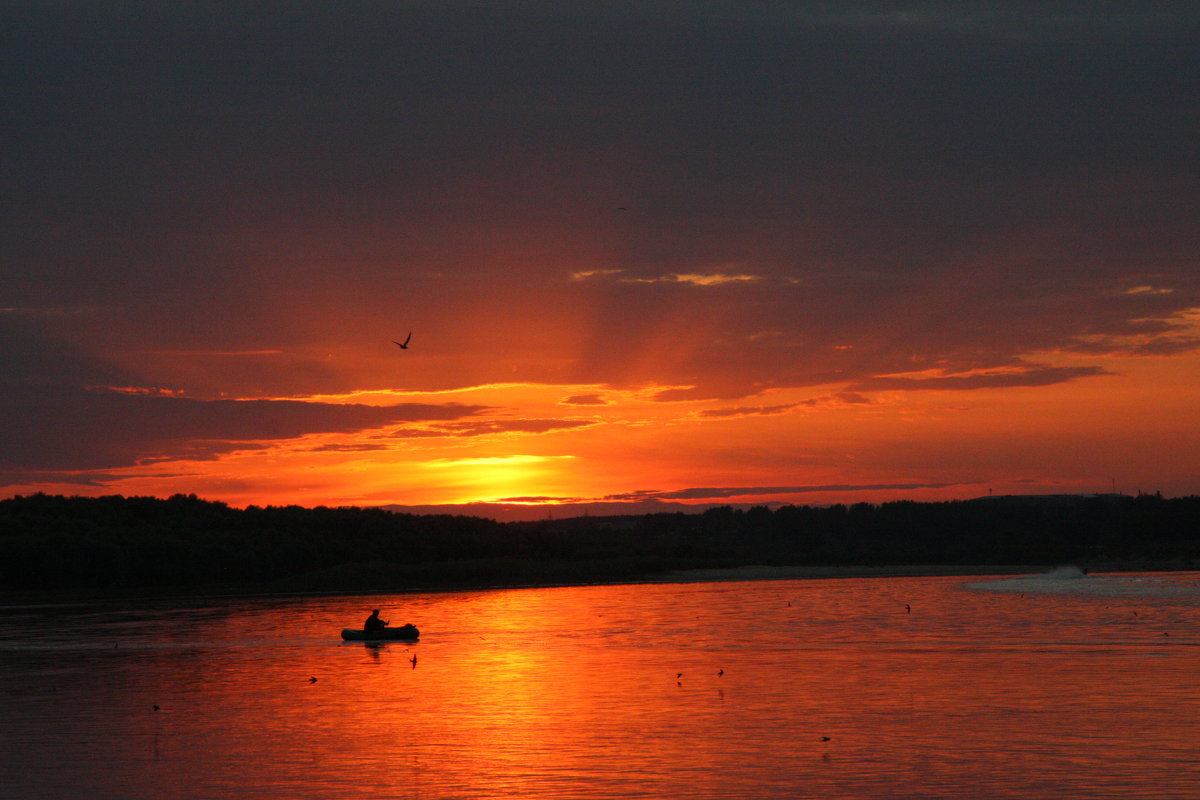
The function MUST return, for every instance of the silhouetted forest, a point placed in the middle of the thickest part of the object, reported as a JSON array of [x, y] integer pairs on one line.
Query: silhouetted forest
[[186, 544]]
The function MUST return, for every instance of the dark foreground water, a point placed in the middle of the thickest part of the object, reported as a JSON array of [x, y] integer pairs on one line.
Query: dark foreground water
[[1061, 686]]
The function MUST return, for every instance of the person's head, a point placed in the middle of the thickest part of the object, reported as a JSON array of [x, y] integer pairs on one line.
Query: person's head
[[375, 613]]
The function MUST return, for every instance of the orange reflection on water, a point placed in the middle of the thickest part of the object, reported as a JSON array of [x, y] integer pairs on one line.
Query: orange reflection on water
[[830, 688]]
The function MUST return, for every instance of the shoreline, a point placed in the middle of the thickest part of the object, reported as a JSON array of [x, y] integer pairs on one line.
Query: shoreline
[[750, 572], [770, 573]]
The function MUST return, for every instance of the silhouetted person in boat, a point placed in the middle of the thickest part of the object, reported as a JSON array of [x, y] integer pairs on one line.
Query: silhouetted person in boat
[[374, 624]]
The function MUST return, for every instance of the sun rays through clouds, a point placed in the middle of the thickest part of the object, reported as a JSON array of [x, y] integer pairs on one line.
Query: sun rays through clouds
[[718, 252]]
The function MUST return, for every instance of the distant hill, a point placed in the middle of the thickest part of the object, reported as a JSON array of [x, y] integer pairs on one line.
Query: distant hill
[[518, 512]]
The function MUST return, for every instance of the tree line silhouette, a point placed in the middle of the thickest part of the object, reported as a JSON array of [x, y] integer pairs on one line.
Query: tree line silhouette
[[187, 544]]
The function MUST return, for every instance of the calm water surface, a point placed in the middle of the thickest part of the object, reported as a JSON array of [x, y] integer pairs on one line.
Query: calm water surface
[[1040, 687]]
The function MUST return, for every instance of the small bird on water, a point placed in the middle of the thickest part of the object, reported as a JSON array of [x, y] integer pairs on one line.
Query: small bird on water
[[312, 680]]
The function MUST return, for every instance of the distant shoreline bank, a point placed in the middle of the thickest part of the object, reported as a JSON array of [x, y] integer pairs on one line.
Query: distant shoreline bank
[[72, 547], [763, 572], [747, 573]]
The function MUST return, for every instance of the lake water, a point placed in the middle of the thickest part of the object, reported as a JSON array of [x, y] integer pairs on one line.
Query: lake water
[[1059, 686]]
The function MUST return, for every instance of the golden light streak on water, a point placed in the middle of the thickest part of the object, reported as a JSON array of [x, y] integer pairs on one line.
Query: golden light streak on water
[[1066, 685]]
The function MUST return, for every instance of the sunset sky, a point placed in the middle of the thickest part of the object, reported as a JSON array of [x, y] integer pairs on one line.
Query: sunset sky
[[649, 252]]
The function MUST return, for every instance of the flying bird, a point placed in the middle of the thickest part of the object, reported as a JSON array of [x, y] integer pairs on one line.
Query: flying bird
[[403, 346]]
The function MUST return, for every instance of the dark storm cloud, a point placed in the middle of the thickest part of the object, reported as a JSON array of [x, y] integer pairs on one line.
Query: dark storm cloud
[[829, 330], [914, 185], [64, 428], [30, 355], [1037, 376], [66, 410]]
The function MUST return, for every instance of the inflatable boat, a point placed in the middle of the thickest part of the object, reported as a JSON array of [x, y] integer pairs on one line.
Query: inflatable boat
[[405, 633]]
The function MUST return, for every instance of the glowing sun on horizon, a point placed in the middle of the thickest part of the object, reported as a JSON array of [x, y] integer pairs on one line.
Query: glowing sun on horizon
[[492, 478]]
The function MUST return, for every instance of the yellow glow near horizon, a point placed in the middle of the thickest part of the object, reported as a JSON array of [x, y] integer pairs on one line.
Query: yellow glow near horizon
[[1077, 435], [490, 479]]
